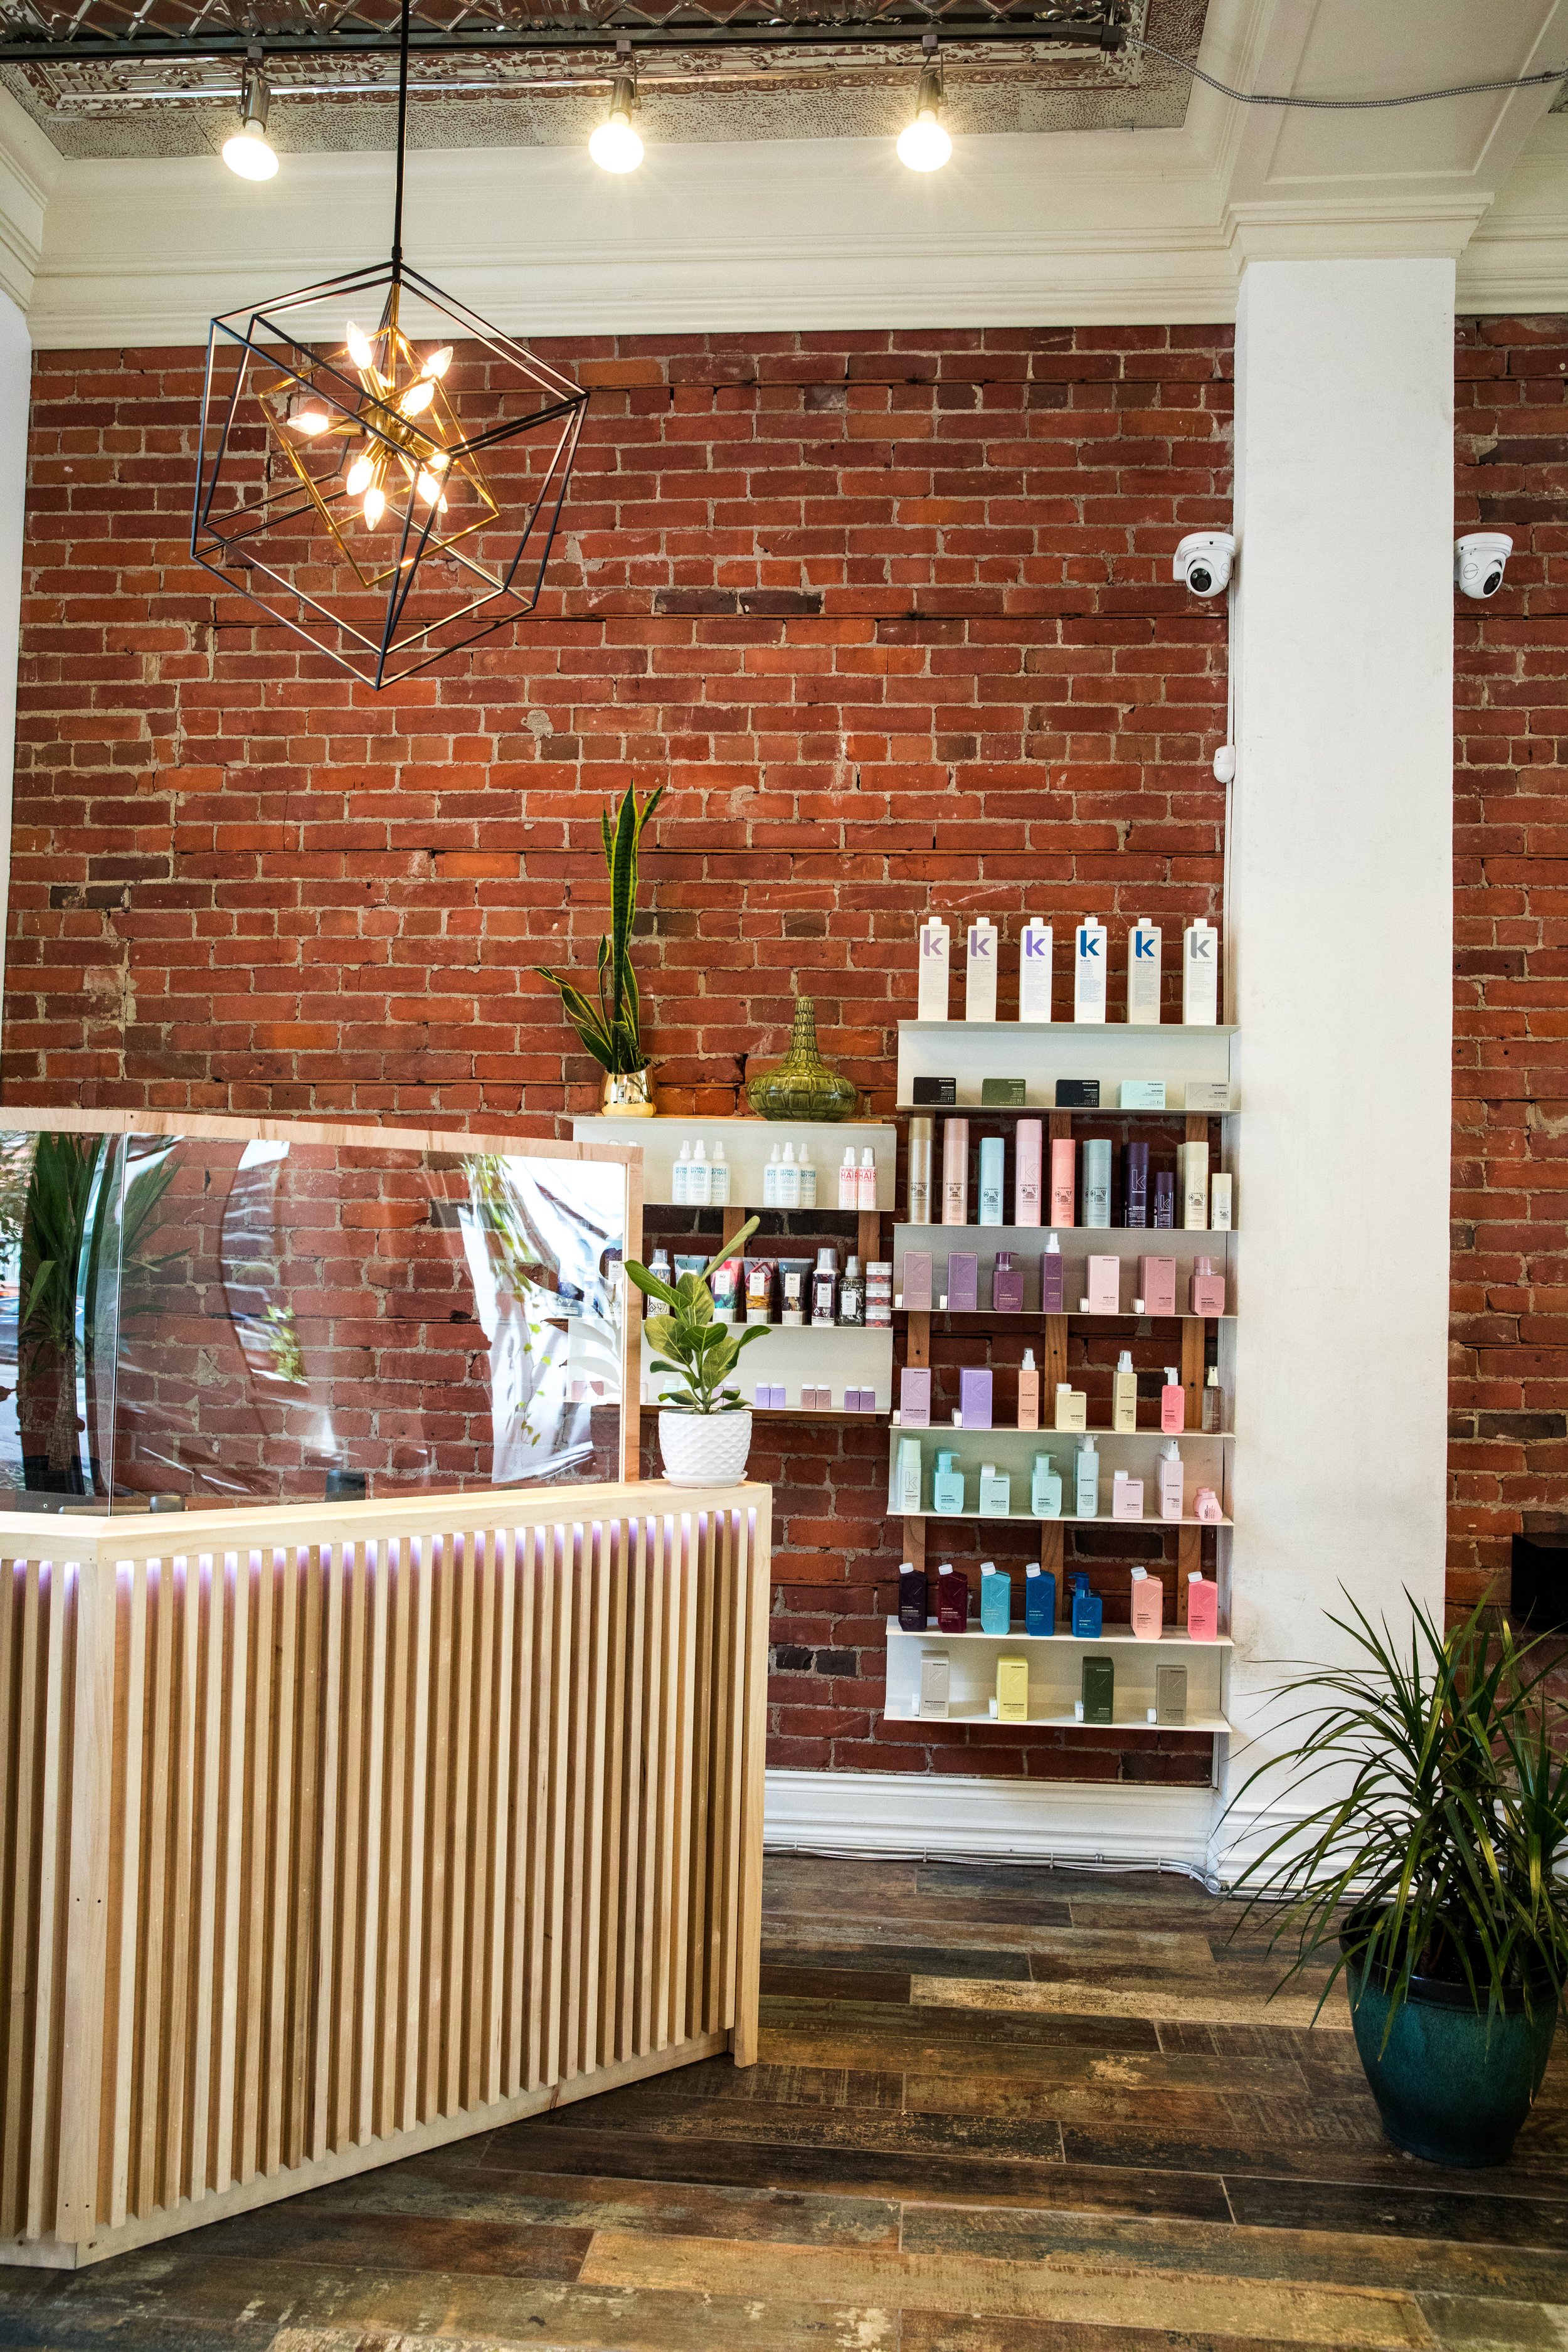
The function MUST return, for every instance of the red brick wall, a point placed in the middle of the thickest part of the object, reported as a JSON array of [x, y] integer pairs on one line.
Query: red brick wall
[[1509, 1388], [892, 618]]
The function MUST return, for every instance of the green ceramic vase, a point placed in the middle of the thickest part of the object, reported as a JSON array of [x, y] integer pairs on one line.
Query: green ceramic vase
[[1451, 2086], [802, 1086]]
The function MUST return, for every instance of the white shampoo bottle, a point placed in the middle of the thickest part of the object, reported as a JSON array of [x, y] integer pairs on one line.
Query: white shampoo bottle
[[1200, 975], [1034, 971], [1088, 971], [1143, 974], [932, 1004], [980, 971]]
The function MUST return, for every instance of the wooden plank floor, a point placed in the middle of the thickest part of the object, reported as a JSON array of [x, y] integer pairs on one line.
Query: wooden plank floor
[[999, 2110]]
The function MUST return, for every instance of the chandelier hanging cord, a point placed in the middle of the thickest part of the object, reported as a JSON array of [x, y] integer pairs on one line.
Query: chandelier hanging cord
[[402, 137]]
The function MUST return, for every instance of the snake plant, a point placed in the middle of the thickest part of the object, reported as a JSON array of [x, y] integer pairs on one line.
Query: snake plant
[[609, 1028]]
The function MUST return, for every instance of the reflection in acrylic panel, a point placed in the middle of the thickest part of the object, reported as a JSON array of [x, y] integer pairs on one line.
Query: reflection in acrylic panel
[[250, 1321]]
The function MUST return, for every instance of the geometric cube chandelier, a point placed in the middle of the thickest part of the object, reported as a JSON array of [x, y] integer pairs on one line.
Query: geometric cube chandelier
[[386, 503]]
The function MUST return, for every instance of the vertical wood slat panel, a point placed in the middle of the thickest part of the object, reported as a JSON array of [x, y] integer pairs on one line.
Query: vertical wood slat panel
[[397, 1828]]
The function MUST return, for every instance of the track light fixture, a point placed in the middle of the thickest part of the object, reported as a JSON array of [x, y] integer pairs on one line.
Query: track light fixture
[[924, 144], [614, 145], [248, 151]]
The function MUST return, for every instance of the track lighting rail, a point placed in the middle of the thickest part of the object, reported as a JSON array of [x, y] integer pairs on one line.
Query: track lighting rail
[[167, 29]]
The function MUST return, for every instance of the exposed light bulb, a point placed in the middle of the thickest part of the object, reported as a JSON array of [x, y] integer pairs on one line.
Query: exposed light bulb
[[439, 361], [417, 397], [924, 144], [359, 475], [247, 153], [614, 145], [374, 504], [359, 347], [429, 489], [310, 421]]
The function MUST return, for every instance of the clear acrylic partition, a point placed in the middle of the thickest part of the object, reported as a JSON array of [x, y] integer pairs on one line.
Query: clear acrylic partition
[[224, 1322]]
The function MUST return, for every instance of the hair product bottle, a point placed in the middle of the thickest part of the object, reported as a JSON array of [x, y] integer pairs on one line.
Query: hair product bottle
[[1143, 974], [933, 971], [922, 1133], [955, 1171]]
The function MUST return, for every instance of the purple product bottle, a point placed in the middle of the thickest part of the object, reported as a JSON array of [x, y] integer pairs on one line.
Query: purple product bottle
[[1006, 1287], [1164, 1199], [912, 1599], [1135, 1185], [1051, 1279]]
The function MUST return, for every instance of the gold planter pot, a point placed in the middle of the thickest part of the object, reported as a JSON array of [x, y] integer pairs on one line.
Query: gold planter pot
[[629, 1094]]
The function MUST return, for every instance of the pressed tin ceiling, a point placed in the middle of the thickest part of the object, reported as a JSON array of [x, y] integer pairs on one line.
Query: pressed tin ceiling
[[159, 78]]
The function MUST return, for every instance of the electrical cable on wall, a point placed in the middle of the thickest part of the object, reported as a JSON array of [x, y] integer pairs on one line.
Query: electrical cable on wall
[[1340, 105]]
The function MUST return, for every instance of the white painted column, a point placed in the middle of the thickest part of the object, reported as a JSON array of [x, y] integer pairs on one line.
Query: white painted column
[[16, 391], [1340, 928]]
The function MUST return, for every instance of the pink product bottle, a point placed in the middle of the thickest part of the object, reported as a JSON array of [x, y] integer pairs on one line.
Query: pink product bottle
[[1127, 1501], [1064, 1181], [1007, 1286], [1148, 1606], [848, 1182], [955, 1171], [917, 1281], [1028, 1142], [1208, 1288], [1203, 1610], [1157, 1284], [1053, 1278], [1172, 1402], [866, 1182]]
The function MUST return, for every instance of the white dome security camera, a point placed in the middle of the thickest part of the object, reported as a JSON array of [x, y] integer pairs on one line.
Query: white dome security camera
[[1480, 559], [1202, 561]]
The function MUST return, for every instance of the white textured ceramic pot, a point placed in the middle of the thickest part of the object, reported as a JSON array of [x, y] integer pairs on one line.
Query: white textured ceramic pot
[[704, 1449]]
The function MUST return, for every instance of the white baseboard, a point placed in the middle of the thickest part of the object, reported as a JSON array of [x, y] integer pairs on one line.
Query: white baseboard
[[1115, 1825]]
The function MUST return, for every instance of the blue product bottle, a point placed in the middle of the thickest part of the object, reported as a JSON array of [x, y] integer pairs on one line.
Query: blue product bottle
[[1046, 1488], [995, 1600], [1039, 1602], [1087, 1610], [947, 1487]]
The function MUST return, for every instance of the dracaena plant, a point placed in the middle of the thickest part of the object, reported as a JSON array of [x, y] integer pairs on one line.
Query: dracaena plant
[[1436, 1842], [696, 1350], [609, 1025]]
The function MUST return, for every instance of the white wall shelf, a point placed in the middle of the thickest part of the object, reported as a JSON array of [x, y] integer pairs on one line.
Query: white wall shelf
[[1041, 1052], [748, 1144], [1058, 1519], [1116, 1636], [1206, 1727]]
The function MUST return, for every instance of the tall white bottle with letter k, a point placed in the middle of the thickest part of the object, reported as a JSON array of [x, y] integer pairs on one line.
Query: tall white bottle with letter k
[[980, 971], [1200, 974], [1034, 971], [1088, 971], [933, 971], [1143, 974]]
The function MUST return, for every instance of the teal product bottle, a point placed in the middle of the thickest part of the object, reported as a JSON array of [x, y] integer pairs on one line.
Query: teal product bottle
[[1046, 1488], [995, 1600], [1087, 1610], [1086, 1480], [947, 1487], [991, 1151], [1039, 1602]]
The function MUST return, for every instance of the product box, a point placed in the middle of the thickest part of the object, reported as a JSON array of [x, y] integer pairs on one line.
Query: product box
[[995, 1492], [942, 1092], [1143, 1093], [1170, 1694], [1078, 1094], [1105, 1287], [1012, 1690], [1157, 1284], [1003, 1094], [975, 1396], [914, 1398], [1098, 1689], [962, 1282], [936, 1672], [917, 1281], [1209, 1094]]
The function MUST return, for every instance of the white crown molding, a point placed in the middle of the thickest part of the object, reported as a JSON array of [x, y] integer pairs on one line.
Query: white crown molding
[[29, 169], [1433, 227]]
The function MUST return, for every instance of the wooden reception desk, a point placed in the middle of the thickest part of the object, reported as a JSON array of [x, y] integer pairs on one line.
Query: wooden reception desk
[[330, 1834]]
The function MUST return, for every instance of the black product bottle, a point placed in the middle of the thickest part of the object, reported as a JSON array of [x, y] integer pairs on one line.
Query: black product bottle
[[912, 1599]]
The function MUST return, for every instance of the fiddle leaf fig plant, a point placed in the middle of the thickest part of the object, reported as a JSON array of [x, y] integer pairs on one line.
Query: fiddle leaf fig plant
[[696, 1350], [610, 1028]]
